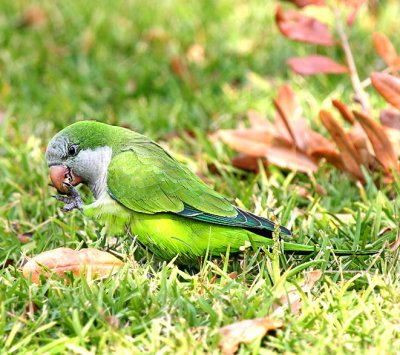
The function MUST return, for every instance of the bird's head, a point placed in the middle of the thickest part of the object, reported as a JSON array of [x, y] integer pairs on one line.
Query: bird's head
[[80, 153]]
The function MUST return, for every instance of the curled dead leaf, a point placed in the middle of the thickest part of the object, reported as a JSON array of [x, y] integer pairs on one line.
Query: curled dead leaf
[[390, 118], [248, 141], [331, 156], [384, 48], [383, 149], [233, 275], [248, 162], [388, 86], [364, 148], [316, 64], [25, 238], [291, 158], [92, 263], [344, 111], [299, 27], [349, 154], [288, 110], [259, 121], [246, 332]]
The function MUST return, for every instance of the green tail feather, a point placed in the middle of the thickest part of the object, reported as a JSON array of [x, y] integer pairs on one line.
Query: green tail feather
[[303, 249]]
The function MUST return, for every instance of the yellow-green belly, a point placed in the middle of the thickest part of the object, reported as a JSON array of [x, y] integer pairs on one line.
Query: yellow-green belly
[[169, 235]]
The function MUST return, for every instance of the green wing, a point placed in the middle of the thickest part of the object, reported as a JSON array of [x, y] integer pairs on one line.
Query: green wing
[[145, 178]]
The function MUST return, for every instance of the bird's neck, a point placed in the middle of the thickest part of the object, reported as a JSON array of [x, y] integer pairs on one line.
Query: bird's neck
[[99, 171]]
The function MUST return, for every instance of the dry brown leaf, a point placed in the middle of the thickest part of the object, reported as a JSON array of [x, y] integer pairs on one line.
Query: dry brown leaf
[[383, 149], [92, 263], [349, 154], [248, 162], [331, 156], [344, 111], [246, 332], [292, 300], [299, 27], [390, 118], [261, 144], [384, 48], [316, 64], [25, 238], [388, 86], [291, 158], [233, 275], [248, 141], [291, 124], [309, 140], [258, 121], [288, 109], [365, 150]]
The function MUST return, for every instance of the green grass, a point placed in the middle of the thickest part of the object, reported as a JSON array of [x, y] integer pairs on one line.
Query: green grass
[[110, 61]]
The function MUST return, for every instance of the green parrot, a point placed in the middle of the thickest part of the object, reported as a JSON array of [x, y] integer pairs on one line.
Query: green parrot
[[140, 187]]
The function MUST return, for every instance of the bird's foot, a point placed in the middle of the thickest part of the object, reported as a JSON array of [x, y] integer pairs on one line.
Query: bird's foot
[[72, 200]]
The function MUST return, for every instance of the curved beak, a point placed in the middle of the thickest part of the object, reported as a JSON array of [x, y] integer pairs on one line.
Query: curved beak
[[60, 174]]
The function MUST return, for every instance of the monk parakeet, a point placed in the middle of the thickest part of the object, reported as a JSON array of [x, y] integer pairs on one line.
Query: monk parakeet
[[140, 186]]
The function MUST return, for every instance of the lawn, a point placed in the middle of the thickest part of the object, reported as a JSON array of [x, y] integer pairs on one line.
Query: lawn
[[178, 71]]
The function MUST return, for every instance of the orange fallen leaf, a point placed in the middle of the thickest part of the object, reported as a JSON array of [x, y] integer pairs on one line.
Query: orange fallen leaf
[[390, 118], [91, 263], [388, 86], [259, 121], [246, 332], [248, 162], [384, 48], [331, 156], [291, 158], [290, 123], [383, 149], [299, 27], [364, 148], [344, 111], [316, 64], [248, 141], [349, 154], [288, 110], [309, 140], [25, 238]]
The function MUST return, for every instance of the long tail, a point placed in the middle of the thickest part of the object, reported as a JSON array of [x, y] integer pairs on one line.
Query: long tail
[[303, 249]]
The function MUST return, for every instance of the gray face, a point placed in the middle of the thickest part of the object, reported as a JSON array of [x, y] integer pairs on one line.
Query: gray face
[[90, 165], [57, 151]]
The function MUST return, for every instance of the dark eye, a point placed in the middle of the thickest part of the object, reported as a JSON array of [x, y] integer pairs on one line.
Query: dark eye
[[73, 149]]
